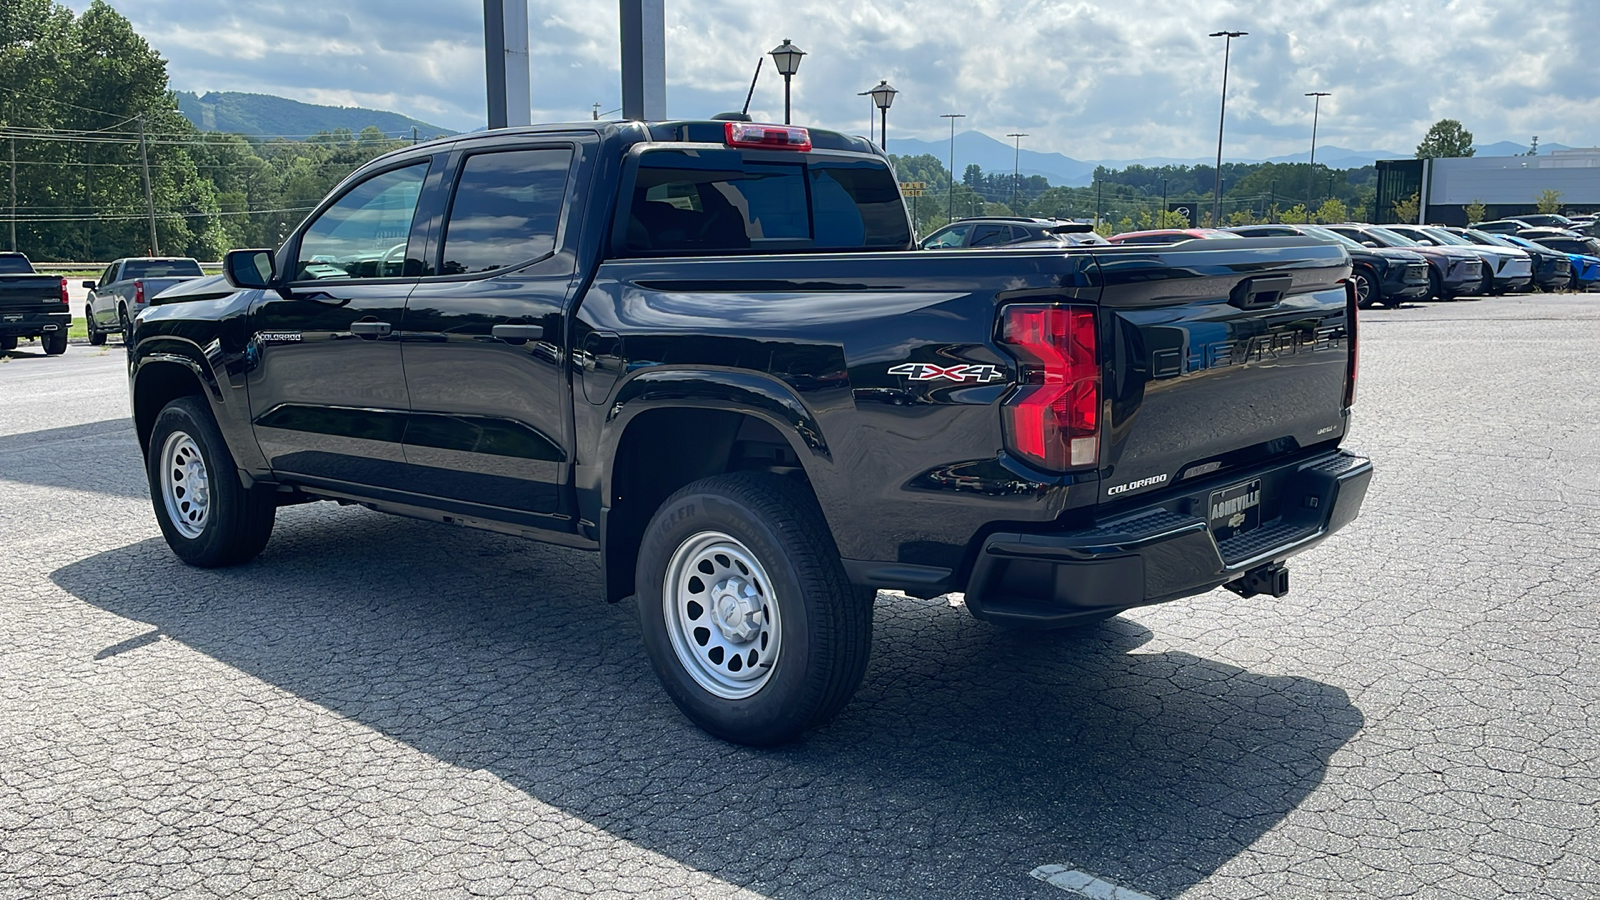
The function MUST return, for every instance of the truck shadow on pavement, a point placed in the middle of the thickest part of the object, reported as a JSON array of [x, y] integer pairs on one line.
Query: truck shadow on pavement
[[969, 757], [77, 457]]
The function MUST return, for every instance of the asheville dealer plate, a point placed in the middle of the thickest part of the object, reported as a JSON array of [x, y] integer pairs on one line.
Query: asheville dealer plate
[[1235, 510]]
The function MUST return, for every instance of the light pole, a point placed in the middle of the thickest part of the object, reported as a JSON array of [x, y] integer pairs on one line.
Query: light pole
[[883, 97], [1222, 118], [787, 57], [1163, 204], [1016, 166], [1316, 109], [950, 202]]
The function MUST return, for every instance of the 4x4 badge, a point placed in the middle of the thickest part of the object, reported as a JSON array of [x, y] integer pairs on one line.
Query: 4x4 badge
[[962, 372]]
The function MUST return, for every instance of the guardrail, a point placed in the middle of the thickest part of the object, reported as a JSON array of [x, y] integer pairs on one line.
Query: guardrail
[[89, 266]]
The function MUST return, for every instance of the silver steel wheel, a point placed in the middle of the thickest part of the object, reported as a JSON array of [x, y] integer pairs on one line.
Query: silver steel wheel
[[185, 485], [1363, 291], [721, 615]]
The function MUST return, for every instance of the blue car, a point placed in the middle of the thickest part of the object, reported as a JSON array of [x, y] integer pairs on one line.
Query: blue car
[[1584, 253]]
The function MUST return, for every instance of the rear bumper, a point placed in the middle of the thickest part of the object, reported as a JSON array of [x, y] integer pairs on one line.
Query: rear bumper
[[15, 323], [1162, 552]]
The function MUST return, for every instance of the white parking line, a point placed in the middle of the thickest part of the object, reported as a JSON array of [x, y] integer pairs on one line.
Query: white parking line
[[1085, 885]]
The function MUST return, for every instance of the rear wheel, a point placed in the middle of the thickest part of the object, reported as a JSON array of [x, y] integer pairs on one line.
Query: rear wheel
[[208, 517], [8, 342], [55, 342], [96, 336], [124, 324], [748, 618]]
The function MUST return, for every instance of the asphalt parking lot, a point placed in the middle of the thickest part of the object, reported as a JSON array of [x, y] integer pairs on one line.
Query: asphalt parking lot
[[378, 707]]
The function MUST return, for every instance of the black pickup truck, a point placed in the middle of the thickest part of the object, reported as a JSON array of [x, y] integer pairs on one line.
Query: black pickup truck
[[712, 352], [32, 306]]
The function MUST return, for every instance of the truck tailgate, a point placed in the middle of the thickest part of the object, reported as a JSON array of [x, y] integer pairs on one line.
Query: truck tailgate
[[30, 293], [1220, 354]]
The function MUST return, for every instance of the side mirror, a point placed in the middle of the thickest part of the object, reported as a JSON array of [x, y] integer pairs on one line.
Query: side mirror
[[1372, 244], [89, 284], [256, 269]]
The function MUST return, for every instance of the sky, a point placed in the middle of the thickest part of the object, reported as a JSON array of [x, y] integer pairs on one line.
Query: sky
[[1088, 78]]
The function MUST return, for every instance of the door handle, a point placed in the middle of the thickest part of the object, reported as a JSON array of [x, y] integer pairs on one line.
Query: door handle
[[371, 329], [518, 332]]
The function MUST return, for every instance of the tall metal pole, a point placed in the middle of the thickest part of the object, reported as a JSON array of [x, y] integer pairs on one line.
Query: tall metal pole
[[149, 199], [1316, 109], [1016, 166], [786, 99], [505, 44], [883, 132], [950, 202], [644, 59], [1163, 204], [13, 195], [1222, 118]]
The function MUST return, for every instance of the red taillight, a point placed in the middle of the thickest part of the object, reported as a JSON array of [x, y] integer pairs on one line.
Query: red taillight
[[1350, 341], [1053, 419], [770, 137], [64, 300], [138, 292]]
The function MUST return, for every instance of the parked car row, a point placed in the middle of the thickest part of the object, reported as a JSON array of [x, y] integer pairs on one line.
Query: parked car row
[[1396, 263], [34, 305]]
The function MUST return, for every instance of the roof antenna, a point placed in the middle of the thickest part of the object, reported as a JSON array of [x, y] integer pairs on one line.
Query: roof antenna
[[744, 114], [746, 110]]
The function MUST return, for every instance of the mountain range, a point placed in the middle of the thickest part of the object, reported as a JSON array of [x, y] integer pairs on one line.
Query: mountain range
[[266, 115], [997, 156]]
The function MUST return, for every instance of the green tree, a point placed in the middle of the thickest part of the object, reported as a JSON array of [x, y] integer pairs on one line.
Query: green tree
[[1549, 202], [1447, 138], [1476, 212], [1332, 212], [1409, 209], [1294, 215]]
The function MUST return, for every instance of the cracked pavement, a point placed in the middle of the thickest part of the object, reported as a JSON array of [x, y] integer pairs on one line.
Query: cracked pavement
[[378, 707]]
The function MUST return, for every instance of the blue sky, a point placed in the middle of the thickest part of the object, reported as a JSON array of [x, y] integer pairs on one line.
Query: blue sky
[[1088, 78]]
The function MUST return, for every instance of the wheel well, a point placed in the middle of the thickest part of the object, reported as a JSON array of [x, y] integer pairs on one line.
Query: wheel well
[[159, 384], [664, 450]]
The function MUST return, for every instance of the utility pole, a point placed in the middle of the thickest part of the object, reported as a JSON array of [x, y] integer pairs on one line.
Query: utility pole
[[413, 135], [1222, 118], [1163, 222], [1016, 166], [1272, 204], [1099, 198], [950, 202], [1316, 109], [149, 199], [13, 195]]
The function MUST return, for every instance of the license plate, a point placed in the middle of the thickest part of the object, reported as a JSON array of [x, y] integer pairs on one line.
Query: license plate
[[1235, 510]]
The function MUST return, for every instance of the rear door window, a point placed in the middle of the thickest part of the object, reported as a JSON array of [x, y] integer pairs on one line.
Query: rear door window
[[715, 201], [990, 235], [506, 211]]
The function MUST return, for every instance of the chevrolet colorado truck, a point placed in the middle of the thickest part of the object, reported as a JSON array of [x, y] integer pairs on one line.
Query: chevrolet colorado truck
[[32, 306], [712, 352], [126, 287]]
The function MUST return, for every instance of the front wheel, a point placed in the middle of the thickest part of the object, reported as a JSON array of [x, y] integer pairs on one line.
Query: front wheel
[[748, 618], [209, 518], [1367, 292], [97, 338]]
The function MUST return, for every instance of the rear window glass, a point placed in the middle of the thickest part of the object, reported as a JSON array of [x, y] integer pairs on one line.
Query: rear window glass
[[159, 268], [506, 210], [15, 265], [711, 201]]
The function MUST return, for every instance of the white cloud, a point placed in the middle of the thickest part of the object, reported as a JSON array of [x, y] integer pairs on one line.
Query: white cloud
[[1092, 78]]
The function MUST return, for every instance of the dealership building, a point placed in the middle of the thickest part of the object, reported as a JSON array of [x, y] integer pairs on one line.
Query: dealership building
[[1506, 185]]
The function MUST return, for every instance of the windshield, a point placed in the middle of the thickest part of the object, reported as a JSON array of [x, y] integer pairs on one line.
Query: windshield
[[1323, 234], [1445, 237], [1392, 238]]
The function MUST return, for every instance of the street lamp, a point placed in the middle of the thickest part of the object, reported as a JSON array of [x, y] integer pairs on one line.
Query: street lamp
[[883, 98], [787, 57], [950, 202], [1016, 166], [1222, 118], [1316, 109]]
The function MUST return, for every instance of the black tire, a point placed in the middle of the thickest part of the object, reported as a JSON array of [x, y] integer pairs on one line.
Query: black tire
[[125, 325], [1486, 287], [97, 338], [823, 624], [8, 342], [55, 342], [1367, 291], [237, 521], [1436, 285]]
